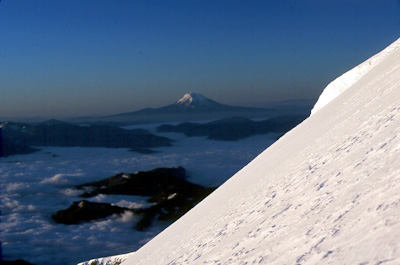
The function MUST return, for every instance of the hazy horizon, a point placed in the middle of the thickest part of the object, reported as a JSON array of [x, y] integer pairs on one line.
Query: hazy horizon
[[267, 105], [85, 58]]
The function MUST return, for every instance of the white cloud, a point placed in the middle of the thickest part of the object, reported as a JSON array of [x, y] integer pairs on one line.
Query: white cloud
[[62, 179], [71, 192]]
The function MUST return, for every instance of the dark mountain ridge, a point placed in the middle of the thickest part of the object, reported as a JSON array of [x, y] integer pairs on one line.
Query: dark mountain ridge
[[18, 138], [234, 128]]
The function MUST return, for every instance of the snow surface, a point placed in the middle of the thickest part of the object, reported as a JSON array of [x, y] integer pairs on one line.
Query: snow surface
[[328, 192], [343, 82]]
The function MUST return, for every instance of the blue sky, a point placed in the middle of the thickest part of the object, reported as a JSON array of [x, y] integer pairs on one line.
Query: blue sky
[[92, 57]]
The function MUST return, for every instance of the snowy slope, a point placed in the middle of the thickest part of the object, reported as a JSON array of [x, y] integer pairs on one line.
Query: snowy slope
[[343, 82], [328, 192]]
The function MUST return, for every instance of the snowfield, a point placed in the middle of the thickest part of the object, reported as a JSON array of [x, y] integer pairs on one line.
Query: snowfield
[[328, 192]]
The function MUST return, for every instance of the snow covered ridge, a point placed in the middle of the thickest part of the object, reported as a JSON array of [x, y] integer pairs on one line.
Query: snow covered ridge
[[343, 82], [327, 192]]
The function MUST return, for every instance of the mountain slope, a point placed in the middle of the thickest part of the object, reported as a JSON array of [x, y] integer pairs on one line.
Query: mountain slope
[[325, 193]]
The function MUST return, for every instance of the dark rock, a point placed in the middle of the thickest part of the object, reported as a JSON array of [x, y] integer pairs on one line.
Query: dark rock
[[144, 183], [84, 211], [170, 192]]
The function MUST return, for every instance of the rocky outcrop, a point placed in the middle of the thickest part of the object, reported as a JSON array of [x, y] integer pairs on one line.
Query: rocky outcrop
[[144, 183], [170, 193], [84, 211]]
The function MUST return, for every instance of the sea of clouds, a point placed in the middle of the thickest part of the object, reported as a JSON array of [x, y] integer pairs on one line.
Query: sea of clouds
[[35, 186]]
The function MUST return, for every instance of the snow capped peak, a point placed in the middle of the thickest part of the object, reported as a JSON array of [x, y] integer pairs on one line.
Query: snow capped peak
[[343, 82], [193, 99]]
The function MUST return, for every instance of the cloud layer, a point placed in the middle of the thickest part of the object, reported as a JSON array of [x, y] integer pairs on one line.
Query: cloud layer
[[37, 185]]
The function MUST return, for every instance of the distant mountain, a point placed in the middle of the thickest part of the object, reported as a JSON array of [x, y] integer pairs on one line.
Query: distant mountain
[[192, 103], [234, 128], [192, 106]]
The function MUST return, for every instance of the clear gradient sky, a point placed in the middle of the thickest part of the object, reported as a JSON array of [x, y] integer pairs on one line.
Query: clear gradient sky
[[62, 58]]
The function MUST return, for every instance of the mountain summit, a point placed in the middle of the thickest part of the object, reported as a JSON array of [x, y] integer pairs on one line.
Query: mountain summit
[[197, 102], [193, 100]]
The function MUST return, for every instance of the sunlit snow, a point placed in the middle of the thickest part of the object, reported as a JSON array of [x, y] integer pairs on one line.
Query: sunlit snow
[[192, 98]]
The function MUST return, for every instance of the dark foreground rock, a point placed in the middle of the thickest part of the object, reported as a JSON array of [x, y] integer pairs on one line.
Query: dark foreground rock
[[144, 183], [170, 193], [84, 211]]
